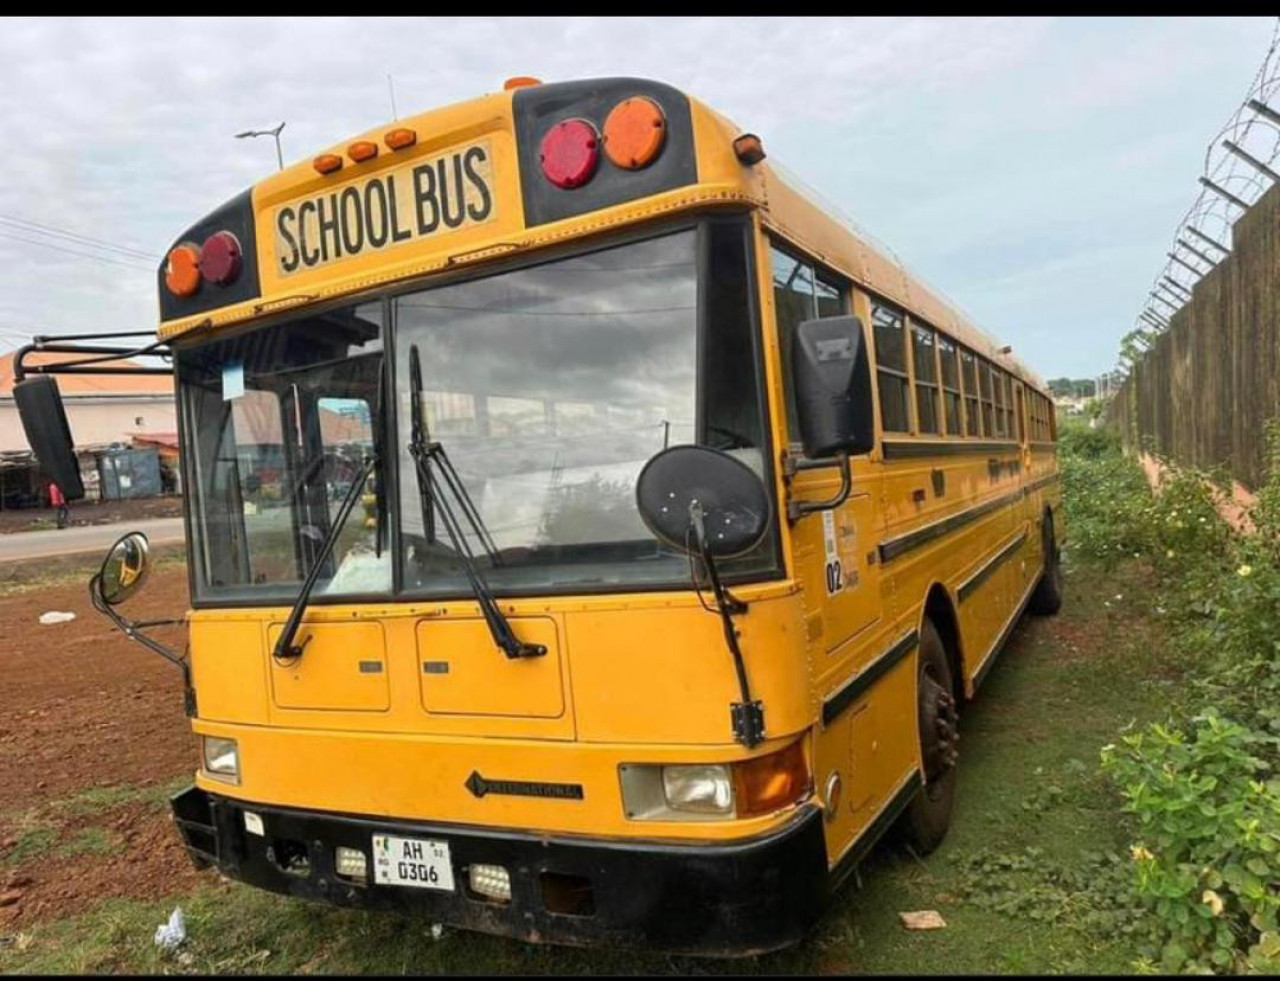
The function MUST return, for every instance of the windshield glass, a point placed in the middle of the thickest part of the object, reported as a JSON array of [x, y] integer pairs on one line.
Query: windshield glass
[[278, 423], [551, 386]]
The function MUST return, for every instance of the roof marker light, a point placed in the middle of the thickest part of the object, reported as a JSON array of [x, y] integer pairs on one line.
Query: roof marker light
[[400, 138], [182, 271], [221, 258], [634, 133], [749, 149], [570, 153], [362, 150], [327, 163], [520, 82]]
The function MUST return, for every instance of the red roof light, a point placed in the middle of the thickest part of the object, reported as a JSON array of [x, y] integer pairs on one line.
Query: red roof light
[[570, 153], [220, 258]]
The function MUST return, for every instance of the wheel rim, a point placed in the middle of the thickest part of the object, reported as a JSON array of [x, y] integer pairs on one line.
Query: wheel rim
[[939, 730]]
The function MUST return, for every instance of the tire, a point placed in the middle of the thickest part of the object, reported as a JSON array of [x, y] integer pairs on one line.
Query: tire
[[1047, 599], [925, 821]]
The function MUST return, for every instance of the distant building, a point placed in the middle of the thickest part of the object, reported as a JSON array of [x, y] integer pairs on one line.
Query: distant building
[[105, 412]]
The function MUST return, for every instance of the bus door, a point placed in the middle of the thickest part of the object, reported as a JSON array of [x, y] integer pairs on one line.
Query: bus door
[[835, 561]]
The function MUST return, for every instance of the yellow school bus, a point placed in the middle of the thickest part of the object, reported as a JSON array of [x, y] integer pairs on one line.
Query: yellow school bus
[[590, 539]]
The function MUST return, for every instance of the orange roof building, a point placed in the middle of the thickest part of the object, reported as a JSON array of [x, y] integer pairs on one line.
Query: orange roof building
[[101, 409]]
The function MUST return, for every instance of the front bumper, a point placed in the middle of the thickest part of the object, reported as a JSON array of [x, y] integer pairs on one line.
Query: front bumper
[[732, 899]]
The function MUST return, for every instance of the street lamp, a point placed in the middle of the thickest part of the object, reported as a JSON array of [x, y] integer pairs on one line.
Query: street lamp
[[267, 132]]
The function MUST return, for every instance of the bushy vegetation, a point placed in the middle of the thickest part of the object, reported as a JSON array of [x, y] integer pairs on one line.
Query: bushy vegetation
[[1202, 788]]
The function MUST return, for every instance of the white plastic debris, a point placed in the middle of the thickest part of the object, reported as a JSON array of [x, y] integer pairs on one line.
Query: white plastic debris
[[437, 931], [56, 616], [170, 935]]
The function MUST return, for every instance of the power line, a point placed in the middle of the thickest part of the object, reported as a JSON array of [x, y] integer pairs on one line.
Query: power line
[[128, 264], [97, 243]]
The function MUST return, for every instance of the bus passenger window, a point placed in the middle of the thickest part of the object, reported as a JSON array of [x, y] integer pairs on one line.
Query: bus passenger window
[[997, 384], [969, 376], [1008, 406], [891, 368], [950, 383], [984, 377], [926, 379]]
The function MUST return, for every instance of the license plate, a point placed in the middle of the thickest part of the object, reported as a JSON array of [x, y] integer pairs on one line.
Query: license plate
[[417, 862]]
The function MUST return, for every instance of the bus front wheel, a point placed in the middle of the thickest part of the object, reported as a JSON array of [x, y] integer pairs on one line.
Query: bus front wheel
[[927, 817]]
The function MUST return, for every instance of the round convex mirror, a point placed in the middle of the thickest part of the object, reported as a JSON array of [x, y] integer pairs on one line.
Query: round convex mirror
[[125, 568], [733, 500]]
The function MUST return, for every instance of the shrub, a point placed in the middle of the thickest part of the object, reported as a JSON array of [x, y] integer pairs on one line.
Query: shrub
[[1202, 788]]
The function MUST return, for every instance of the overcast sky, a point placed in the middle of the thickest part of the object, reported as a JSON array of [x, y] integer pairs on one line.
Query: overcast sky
[[1033, 170]]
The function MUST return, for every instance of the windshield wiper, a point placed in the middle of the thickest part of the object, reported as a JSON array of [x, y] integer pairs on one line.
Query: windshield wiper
[[285, 647], [425, 452]]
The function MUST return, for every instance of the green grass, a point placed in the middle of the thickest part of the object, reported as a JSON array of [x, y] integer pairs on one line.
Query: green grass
[[1028, 780], [90, 841], [20, 576], [98, 799], [31, 843]]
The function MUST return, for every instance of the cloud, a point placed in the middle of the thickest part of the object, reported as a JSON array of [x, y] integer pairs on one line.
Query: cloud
[[983, 150]]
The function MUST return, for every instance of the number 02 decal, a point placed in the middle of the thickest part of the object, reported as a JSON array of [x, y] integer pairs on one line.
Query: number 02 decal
[[834, 572]]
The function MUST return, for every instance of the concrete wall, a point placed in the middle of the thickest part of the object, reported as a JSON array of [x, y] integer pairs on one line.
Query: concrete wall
[[97, 420], [1203, 393]]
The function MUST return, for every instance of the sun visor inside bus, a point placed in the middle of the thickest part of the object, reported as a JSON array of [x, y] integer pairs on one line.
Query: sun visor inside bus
[[48, 433], [538, 108], [236, 217]]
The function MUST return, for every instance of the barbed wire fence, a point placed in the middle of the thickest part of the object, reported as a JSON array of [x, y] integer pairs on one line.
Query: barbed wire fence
[[1238, 170]]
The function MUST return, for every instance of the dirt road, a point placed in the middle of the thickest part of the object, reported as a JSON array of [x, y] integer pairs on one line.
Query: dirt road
[[92, 733], [86, 538]]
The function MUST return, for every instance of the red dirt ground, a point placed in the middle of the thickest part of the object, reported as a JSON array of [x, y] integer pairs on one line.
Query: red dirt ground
[[85, 708]]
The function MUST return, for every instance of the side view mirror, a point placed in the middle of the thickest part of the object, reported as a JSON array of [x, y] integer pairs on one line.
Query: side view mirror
[[125, 568], [831, 376], [45, 421], [698, 500], [712, 505]]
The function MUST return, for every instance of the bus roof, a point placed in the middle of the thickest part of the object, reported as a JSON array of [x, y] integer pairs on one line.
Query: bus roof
[[461, 184]]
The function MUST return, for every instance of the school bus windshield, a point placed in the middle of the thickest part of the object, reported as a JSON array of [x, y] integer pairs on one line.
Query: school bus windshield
[[549, 386]]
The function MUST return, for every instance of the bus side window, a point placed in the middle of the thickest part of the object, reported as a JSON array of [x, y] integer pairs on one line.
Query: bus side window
[[800, 293], [891, 368], [984, 381], [969, 378], [926, 365], [950, 383]]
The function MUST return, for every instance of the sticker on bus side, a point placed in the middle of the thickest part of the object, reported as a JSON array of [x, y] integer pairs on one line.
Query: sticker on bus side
[[833, 570], [420, 200]]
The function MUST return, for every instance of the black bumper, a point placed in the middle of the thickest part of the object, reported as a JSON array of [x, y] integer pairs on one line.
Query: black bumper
[[720, 899]]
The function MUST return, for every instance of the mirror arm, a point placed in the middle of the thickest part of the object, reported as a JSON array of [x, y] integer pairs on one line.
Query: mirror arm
[[798, 509], [132, 630], [747, 716]]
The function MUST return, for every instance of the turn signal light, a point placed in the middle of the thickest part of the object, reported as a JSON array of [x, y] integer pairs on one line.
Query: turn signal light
[[398, 139], [749, 149], [634, 133], [520, 82], [362, 150], [221, 258], [182, 271], [770, 782], [570, 153], [327, 163]]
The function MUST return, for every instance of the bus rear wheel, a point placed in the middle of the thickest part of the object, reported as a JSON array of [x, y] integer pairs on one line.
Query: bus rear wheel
[[927, 817], [1047, 599]]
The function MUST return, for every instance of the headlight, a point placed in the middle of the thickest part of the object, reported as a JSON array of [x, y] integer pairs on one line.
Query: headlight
[[704, 789], [221, 758], [716, 791]]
